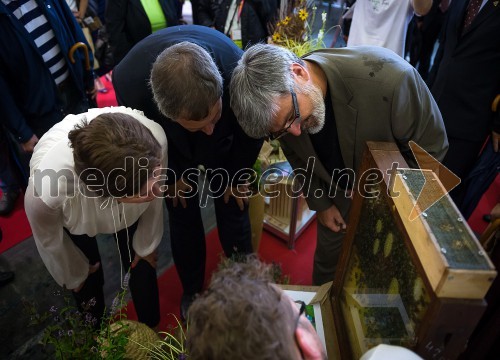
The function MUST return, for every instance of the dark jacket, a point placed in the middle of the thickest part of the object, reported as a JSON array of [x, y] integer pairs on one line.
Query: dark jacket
[[127, 23], [255, 17], [466, 76], [28, 91], [228, 147]]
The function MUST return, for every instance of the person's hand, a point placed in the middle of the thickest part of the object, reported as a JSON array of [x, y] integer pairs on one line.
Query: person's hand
[[240, 194], [332, 219], [29, 145], [152, 259], [92, 269], [495, 138], [177, 191]]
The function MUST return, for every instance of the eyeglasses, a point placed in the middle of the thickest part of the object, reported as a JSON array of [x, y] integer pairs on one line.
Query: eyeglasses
[[278, 134], [301, 311]]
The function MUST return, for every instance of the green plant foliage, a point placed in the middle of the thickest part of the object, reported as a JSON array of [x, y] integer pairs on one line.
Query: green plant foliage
[[295, 31], [72, 334], [171, 347]]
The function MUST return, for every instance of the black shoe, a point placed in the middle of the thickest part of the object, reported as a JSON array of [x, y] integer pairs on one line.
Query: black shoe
[[186, 302], [8, 201], [6, 277]]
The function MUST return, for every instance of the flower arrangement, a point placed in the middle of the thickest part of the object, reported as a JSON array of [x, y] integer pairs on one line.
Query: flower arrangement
[[295, 31], [72, 334]]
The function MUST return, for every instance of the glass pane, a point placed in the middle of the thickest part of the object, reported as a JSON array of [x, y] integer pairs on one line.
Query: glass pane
[[383, 298]]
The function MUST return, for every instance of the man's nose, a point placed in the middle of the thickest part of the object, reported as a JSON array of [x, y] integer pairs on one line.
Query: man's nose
[[209, 129], [295, 129]]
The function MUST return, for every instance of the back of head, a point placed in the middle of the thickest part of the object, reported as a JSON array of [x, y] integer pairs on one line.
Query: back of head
[[241, 316], [185, 82], [262, 74], [109, 143]]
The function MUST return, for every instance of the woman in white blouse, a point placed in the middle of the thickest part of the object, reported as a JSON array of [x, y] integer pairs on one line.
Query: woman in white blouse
[[99, 172]]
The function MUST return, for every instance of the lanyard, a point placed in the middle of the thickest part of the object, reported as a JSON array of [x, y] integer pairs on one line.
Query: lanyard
[[240, 8]]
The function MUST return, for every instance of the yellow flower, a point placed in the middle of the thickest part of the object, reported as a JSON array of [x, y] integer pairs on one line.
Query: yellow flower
[[286, 20], [303, 14], [276, 37]]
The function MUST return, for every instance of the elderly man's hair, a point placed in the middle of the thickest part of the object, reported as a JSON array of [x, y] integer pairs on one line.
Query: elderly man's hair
[[262, 75], [242, 316], [185, 82], [105, 144]]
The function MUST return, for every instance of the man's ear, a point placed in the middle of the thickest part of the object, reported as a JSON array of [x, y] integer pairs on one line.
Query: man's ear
[[300, 72], [309, 345]]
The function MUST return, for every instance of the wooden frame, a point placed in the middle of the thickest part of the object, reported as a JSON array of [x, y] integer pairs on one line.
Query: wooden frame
[[436, 319]]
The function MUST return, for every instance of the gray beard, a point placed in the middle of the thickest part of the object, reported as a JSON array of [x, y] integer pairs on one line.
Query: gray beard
[[316, 121]]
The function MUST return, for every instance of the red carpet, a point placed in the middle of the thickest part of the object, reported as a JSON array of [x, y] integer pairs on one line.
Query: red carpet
[[108, 98], [15, 227], [295, 263]]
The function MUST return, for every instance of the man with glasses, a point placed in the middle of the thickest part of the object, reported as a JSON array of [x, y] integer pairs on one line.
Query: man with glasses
[[325, 107], [243, 315], [179, 77]]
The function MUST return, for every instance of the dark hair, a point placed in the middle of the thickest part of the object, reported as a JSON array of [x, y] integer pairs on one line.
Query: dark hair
[[242, 315], [114, 153]]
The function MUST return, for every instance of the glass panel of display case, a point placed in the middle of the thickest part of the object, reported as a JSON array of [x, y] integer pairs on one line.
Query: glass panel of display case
[[383, 299]]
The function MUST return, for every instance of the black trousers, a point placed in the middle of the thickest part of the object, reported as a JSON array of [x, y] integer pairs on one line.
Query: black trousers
[[143, 283], [188, 237]]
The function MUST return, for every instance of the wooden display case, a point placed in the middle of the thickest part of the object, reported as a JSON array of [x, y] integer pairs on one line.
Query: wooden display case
[[287, 214], [418, 284]]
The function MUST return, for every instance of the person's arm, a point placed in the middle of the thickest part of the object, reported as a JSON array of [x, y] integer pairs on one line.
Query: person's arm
[[318, 198], [65, 262], [205, 15], [421, 7], [116, 12], [82, 9], [266, 11], [416, 116], [244, 152], [13, 119]]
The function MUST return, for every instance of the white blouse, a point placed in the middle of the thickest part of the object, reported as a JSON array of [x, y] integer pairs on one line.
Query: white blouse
[[55, 201]]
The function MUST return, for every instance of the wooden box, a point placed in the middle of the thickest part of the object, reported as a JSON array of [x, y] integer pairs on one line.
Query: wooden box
[[416, 283], [286, 214]]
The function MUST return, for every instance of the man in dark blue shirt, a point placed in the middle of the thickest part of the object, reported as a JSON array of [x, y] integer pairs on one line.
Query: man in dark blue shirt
[[188, 69]]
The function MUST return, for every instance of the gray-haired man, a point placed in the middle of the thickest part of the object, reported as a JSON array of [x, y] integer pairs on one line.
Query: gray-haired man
[[332, 101]]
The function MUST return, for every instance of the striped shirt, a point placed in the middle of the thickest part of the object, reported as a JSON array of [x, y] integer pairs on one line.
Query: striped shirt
[[36, 24]]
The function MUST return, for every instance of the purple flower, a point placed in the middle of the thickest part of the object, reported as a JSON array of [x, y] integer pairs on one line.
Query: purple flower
[[53, 309], [115, 304], [60, 333], [70, 332], [56, 318], [126, 279], [92, 302], [88, 318]]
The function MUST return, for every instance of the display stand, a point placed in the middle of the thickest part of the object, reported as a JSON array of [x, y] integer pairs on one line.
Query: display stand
[[286, 214]]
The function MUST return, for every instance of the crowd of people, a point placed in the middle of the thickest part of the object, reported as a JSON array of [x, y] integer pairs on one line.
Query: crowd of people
[[201, 98]]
